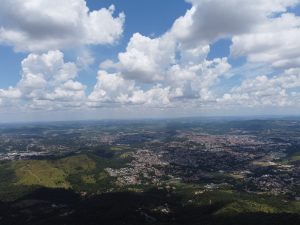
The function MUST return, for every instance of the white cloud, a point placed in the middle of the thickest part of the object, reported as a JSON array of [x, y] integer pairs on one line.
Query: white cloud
[[42, 25], [146, 59], [179, 69], [154, 97], [266, 91], [10, 93], [46, 79], [114, 89], [196, 80], [275, 42], [110, 88], [209, 20], [153, 62]]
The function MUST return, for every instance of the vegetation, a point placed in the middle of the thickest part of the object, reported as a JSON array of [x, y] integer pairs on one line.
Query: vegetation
[[83, 172], [156, 207]]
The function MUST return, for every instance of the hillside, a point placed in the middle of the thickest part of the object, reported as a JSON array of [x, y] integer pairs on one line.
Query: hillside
[[84, 172]]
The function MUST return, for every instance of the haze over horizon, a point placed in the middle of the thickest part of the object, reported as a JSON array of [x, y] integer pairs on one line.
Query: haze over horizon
[[85, 59]]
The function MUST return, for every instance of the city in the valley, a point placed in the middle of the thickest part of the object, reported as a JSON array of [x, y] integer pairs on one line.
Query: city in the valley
[[239, 166]]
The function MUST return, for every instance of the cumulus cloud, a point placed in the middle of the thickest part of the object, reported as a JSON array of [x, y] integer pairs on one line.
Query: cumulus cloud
[[114, 89], [153, 62], [275, 42], [145, 59], [209, 20], [196, 80], [46, 80], [266, 91], [167, 66], [42, 25], [111, 88]]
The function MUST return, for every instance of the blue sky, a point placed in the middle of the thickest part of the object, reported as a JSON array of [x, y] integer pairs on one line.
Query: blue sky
[[127, 59]]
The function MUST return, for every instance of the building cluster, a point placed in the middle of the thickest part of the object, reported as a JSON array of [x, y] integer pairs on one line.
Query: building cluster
[[145, 168]]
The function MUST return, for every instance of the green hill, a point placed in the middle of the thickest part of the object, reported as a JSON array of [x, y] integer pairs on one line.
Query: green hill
[[81, 172]]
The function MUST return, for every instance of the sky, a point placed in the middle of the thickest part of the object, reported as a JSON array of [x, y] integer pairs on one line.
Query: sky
[[104, 59]]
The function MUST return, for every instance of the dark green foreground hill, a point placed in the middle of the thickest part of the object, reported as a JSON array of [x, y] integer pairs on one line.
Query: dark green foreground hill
[[61, 207]]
